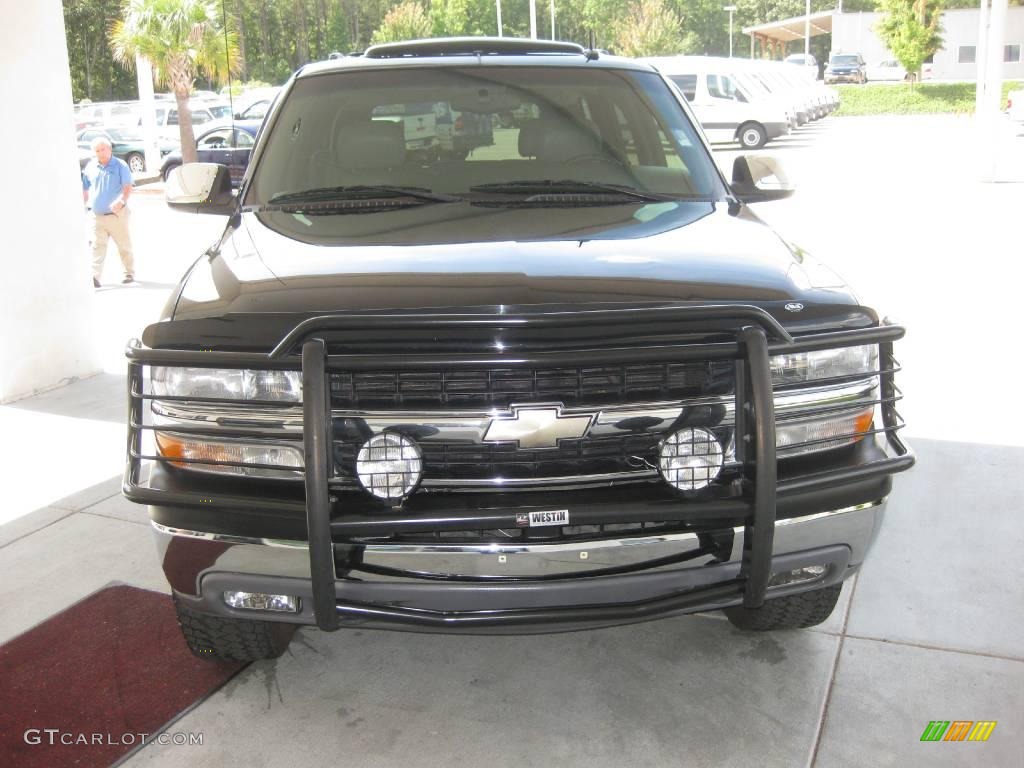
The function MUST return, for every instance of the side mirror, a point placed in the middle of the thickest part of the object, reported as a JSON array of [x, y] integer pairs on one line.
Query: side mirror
[[200, 188], [759, 178]]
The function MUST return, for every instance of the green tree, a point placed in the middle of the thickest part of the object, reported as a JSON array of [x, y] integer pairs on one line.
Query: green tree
[[910, 28], [457, 18], [180, 38], [407, 21], [651, 29], [94, 74]]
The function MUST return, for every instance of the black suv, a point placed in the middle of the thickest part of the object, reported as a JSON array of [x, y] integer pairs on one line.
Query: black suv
[[566, 380], [846, 68]]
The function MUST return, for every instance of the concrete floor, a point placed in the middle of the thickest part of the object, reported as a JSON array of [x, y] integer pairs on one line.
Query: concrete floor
[[931, 629]]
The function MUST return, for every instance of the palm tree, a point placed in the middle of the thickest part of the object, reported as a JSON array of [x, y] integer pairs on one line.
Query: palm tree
[[180, 38]]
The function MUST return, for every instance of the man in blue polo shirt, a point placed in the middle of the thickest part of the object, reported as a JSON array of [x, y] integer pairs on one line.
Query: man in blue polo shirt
[[106, 187]]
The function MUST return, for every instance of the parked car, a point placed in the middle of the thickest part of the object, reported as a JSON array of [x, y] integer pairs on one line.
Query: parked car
[[227, 144], [257, 110], [806, 60], [724, 110], [846, 68], [576, 383], [887, 70], [108, 113], [167, 119], [220, 111], [254, 104], [125, 144]]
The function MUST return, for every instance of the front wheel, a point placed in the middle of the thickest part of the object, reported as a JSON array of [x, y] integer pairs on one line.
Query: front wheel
[[214, 637], [752, 136], [136, 162], [800, 611], [169, 168]]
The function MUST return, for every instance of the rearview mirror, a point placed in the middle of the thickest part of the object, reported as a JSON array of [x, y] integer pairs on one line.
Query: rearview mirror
[[759, 178], [200, 188]]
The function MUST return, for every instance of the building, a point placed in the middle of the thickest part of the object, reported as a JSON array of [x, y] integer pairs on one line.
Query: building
[[855, 33]]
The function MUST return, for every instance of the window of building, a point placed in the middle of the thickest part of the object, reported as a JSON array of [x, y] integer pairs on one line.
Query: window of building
[[965, 54], [1011, 53]]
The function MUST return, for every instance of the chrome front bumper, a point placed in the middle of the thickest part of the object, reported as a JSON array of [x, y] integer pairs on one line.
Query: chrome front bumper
[[201, 566]]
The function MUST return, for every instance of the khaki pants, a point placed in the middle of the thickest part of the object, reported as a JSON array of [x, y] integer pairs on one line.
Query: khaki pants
[[112, 225]]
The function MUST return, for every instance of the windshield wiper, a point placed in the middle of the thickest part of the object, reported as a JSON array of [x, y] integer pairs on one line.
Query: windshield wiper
[[361, 192], [569, 187]]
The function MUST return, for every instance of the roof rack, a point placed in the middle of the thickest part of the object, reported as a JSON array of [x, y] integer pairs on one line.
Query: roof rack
[[473, 46]]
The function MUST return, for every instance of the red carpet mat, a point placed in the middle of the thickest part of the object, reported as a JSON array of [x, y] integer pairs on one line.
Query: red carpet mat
[[84, 687]]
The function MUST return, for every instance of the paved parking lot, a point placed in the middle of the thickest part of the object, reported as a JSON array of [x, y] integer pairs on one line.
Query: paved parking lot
[[931, 629]]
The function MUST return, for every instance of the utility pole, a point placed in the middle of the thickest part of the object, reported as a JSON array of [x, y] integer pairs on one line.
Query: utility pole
[[533, 19], [497, 3], [552, 19]]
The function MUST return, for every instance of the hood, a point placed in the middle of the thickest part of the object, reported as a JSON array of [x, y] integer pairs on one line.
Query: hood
[[275, 269]]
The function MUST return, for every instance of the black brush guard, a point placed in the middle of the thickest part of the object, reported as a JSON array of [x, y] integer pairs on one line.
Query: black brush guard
[[756, 335]]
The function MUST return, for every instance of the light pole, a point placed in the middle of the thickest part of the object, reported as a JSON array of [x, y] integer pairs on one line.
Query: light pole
[[497, 4], [731, 9], [807, 31]]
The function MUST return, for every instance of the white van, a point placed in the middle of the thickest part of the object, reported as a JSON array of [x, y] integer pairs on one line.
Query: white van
[[727, 112]]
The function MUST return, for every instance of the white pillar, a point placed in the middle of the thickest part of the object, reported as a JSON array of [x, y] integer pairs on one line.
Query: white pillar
[[981, 57], [988, 117], [807, 29], [147, 104], [533, 19], [46, 294], [552, 19], [498, 6]]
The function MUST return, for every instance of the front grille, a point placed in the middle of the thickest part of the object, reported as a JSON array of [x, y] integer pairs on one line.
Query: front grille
[[572, 458], [502, 387]]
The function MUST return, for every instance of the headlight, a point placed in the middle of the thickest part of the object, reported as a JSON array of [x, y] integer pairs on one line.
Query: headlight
[[845, 395], [803, 367], [228, 384]]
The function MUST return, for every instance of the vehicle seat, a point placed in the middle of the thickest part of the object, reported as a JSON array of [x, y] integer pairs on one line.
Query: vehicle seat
[[531, 137], [363, 153], [563, 140], [371, 145]]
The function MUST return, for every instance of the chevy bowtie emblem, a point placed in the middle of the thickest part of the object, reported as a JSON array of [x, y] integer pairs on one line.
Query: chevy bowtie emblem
[[537, 427]]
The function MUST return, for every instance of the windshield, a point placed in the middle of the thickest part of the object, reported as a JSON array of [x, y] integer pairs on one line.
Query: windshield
[[844, 61], [476, 132]]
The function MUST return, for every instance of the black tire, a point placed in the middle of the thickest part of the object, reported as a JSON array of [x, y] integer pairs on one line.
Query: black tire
[[136, 162], [169, 168], [806, 609], [214, 637], [752, 136]]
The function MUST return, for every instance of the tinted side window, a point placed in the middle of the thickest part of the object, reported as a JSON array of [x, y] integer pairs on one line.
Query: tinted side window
[[216, 140], [720, 87], [687, 84]]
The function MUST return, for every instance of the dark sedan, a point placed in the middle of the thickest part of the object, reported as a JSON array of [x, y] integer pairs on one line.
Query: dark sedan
[[126, 145], [226, 144]]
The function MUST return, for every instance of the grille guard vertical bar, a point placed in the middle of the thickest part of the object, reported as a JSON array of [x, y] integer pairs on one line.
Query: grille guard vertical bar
[[133, 465], [759, 533], [317, 467]]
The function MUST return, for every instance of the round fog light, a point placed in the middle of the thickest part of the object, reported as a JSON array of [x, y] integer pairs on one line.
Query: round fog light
[[389, 465], [691, 458]]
